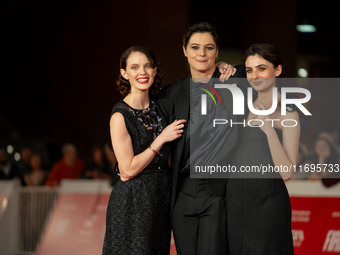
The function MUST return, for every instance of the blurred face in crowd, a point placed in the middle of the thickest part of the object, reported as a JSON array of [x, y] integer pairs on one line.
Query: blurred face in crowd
[[139, 72], [3, 157], [201, 52], [110, 156], [70, 153], [326, 135], [25, 154], [261, 73], [322, 148], [35, 161], [98, 156]]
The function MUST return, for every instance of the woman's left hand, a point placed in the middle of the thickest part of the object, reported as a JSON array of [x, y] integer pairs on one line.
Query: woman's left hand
[[226, 70]]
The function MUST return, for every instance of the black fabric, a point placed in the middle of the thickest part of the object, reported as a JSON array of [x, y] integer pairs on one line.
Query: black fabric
[[174, 103], [137, 220], [258, 209], [199, 219], [198, 214]]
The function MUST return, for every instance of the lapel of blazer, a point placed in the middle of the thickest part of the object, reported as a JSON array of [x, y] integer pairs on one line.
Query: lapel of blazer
[[182, 106], [225, 95], [227, 101]]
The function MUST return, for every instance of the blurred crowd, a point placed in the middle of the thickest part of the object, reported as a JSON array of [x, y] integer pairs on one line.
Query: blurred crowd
[[33, 169], [319, 161]]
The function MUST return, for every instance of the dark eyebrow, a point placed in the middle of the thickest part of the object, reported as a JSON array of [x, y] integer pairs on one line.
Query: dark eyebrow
[[147, 63], [261, 65], [197, 44]]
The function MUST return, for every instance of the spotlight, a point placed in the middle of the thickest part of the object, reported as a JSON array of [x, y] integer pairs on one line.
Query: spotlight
[[303, 72], [17, 156], [10, 149], [306, 28]]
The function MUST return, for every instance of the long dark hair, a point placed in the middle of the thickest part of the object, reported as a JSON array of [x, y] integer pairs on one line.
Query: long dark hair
[[124, 86]]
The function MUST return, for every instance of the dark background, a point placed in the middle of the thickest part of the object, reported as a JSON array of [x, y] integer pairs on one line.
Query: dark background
[[60, 58]]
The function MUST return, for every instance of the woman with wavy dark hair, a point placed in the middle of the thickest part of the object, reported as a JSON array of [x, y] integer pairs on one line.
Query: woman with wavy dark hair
[[137, 220]]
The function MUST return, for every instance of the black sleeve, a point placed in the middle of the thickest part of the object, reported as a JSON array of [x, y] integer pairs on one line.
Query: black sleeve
[[161, 102], [241, 71]]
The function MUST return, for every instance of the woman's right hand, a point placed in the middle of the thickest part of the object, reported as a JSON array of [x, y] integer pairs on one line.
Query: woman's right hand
[[173, 131]]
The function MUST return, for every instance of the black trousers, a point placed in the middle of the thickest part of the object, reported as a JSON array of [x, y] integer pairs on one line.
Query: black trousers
[[199, 219]]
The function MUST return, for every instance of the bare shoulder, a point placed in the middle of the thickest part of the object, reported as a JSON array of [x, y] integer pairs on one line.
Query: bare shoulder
[[293, 115], [290, 119], [117, 119], [290, 123]]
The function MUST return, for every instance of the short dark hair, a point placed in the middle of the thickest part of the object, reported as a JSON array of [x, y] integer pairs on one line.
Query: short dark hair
[[267, 51], [202, 27], [124, 86]]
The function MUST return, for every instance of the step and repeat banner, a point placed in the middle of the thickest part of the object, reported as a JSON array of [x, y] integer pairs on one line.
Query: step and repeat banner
[[315, 217], [316, 225]]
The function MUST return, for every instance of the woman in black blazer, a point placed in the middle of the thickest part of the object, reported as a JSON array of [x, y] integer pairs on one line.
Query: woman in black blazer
[[198, 209]]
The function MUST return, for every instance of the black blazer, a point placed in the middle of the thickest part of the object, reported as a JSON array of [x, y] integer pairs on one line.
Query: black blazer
[[174, 102]]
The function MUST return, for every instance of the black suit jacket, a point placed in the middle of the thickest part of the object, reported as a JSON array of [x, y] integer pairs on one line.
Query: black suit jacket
[[174, 102]]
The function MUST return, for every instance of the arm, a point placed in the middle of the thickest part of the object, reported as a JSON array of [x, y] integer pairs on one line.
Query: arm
[[284, 154], [129, 164]]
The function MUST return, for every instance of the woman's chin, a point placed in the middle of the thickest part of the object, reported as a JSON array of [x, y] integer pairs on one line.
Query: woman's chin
[[256, 88], [205, 69]]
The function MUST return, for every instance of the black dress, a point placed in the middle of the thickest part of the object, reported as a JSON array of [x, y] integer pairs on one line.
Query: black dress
[[258, 209], [137, 220]]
